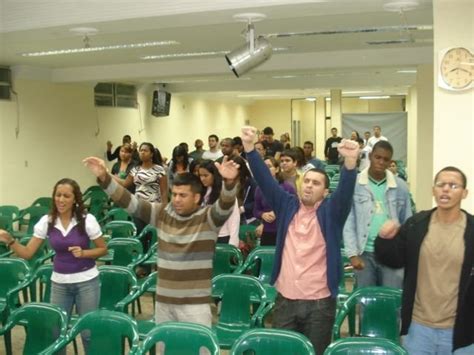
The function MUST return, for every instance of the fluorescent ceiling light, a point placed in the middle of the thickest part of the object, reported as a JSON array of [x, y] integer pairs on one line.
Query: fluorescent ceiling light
[[184, 55], [310, 99], [283, 76], [99, 48], [406, 71], [361, 92], [374, 97]]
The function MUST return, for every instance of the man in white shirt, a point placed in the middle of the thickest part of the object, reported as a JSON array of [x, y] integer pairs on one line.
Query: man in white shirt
[[214, 152], [376, 137]]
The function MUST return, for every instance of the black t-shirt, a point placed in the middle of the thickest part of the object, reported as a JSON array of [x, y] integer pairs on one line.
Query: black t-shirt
[[273, 147], [330, 150]]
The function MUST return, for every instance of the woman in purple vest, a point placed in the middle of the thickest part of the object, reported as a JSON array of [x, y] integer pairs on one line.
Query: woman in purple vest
[[75, 278]]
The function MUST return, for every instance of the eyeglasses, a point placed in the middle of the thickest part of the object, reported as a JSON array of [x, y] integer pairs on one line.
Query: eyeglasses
[[451, 185]]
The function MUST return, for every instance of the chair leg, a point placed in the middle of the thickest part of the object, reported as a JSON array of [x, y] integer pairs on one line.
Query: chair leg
[[8, 342]]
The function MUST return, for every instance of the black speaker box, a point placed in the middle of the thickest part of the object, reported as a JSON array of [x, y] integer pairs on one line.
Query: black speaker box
[[161, 103]]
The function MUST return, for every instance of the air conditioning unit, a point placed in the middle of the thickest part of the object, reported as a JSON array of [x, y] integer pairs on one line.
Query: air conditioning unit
[[5, 83]]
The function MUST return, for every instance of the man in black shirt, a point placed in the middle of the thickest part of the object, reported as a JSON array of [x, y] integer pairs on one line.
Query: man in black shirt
[[273, 146], [330, 150]]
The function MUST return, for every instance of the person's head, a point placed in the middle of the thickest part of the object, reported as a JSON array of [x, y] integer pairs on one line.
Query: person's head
[[393, 167], [126, 139], [227, 146], [210, 177], [366, 134], [260, 148], [334, 132], [450, 188], [146, 152], [308, 148], [380, 159], [198, 144], [377, 131], [213, 140], [194, 167], [179, 155], [186, 194], [238, 145], [67, 202], [268, 134], [314, 187], [354, 136], [272, 165], [288, 161], [285, 138], [300, 158], [126, 152], [185, 146], [361, 143]]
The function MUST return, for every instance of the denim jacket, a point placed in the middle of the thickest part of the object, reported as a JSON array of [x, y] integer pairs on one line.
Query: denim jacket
[[397, 202]]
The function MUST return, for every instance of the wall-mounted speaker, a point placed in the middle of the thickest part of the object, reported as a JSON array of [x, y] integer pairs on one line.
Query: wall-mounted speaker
[[5, 83], [161, 103]]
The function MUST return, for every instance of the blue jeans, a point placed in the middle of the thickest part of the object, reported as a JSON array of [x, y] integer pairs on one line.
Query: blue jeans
[[313, 318], [376, 274], [423, 340], [84, 295]]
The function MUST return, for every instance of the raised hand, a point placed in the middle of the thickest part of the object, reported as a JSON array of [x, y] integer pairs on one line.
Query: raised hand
[[248, 137], [348, 148], [96, 166], [109, 145], [228, 169]]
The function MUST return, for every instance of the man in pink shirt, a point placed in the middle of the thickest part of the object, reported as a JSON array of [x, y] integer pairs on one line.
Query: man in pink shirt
[[308, 266]]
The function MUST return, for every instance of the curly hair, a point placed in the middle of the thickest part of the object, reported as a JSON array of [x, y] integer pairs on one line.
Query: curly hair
[[78, 210]]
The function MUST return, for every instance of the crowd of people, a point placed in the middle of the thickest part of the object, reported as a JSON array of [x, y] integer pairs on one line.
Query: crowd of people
[[203, 197]]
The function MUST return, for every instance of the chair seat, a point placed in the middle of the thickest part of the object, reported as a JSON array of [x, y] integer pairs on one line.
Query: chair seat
[[144, 327], [228, 335]]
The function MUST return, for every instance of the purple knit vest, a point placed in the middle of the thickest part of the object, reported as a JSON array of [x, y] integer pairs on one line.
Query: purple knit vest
[[64, 261]]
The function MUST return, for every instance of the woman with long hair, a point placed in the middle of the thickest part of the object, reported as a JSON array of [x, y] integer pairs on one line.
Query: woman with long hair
[[124, 165], [179, 163], [212, 182], [262, 209], [148, 176], [70, 230]]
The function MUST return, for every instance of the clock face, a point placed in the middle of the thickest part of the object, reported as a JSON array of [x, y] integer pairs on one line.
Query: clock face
[[457, 67]]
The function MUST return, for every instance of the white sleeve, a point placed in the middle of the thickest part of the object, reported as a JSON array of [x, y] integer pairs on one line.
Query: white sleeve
[[40, 229], [93, 229]]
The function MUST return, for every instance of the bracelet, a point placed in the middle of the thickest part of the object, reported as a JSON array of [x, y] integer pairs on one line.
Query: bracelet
[[11, 242]]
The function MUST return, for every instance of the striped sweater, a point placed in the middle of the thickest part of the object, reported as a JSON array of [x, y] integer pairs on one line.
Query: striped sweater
[[186, 244]]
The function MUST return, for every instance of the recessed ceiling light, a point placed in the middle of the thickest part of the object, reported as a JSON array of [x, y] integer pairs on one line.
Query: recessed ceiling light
[[98, 48], [374, 97]]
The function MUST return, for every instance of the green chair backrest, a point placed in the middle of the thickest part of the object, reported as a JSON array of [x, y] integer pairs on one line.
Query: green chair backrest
[[116, 283], [272, 341], [31, 215], [237, 293], [227, 258], [6, 223], [260, 263], [37, 258], [43, 324], [108, 329], [380, 308], [126, 251], [120, 229], [369, 346], [180, 338], [13, 272], [10, 211], [42, 283], [152, 231], [116, 214], [97, 202], [43, 201]]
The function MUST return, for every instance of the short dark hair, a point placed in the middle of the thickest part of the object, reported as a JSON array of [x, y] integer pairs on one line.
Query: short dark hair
[[213, 136], [320, 171], [455, 170], [290, 153], [237, 140], [268, 131], [189, 179], [309, 142], [383, 145]]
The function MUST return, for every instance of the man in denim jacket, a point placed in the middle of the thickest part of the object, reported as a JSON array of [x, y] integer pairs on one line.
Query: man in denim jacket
[[379, 196]]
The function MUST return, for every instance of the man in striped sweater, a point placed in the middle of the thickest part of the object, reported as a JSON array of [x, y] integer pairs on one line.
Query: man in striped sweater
[[187, 235]]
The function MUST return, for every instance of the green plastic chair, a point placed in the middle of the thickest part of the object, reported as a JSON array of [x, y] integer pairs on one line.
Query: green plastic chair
[[120, 229], [15, 276], [227, 258], [125, 252], [357, 346], [272, 341], [43, 201], [97, 202], [108, 329], [149, 237], [43, 324], [116, 214], [118, 285], [259, 263], [40, 287], [29, 217], [237, 293], [380, 309], [180, 338], [10, 211]]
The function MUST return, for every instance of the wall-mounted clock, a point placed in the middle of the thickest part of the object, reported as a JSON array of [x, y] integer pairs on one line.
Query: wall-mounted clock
[[456, 69]]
